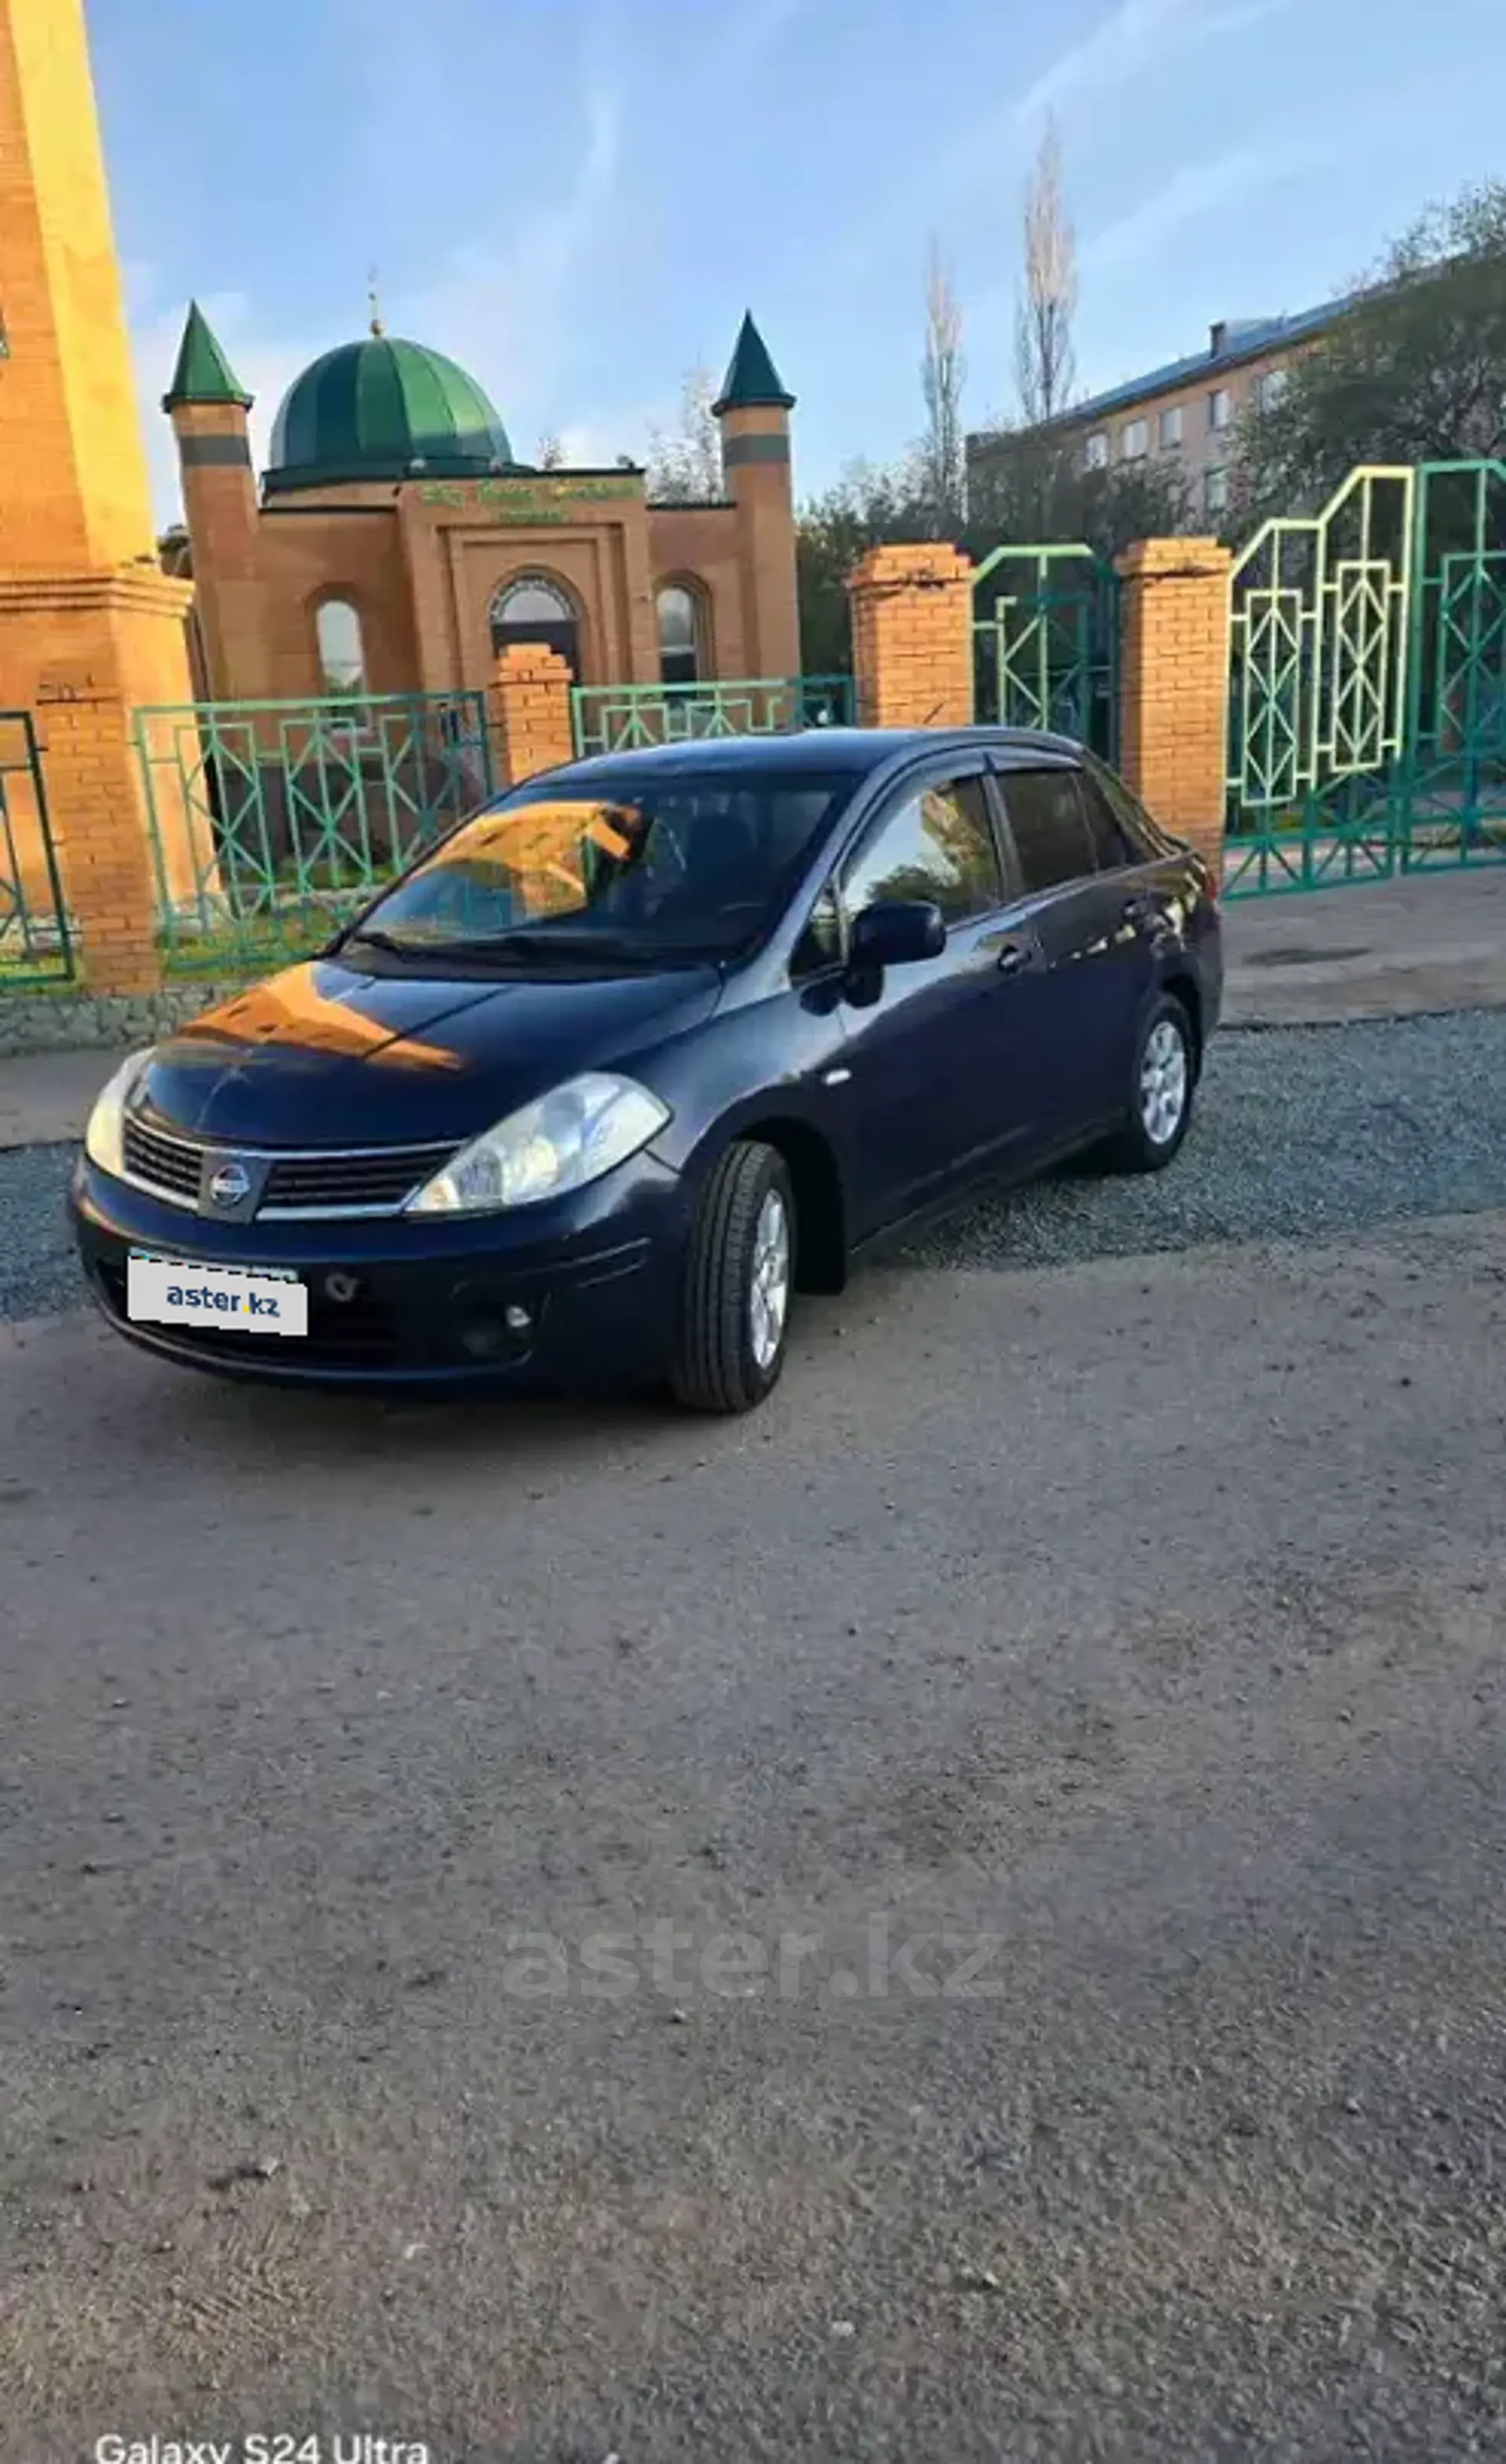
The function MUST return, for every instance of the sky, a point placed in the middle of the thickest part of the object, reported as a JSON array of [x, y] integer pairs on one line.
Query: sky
[[577, 199]]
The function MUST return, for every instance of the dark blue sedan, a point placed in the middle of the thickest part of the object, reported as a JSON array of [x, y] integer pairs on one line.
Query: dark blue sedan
[[649, 1045]]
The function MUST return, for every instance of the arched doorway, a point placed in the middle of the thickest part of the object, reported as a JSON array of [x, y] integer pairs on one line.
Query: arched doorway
[[529, 608]]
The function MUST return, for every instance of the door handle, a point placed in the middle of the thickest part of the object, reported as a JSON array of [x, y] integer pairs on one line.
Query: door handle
[[1014, 958]]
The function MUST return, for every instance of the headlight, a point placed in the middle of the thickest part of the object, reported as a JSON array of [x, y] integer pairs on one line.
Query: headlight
[[570, 1138], [104, 1137]]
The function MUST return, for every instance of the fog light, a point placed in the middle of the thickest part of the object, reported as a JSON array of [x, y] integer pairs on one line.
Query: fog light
[[518, 1321], [484, 1337]]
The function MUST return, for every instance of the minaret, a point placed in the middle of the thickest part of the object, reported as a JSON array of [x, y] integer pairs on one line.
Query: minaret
[[208, 412], [753, 409], [73, 491], [91, 629]]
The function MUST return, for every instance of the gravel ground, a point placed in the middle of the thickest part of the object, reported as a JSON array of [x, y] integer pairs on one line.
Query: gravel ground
[[1134, 1624], [38, 1274], [1305, 1133]]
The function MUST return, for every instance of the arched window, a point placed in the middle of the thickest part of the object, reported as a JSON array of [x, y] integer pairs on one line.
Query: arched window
[[536, 610], [680, 635], [341, 652]]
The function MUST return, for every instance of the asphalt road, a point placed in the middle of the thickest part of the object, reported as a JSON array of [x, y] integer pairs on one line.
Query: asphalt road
[[959, 1919]]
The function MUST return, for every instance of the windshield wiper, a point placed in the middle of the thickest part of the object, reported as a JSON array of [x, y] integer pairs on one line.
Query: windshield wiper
[[378, 940]]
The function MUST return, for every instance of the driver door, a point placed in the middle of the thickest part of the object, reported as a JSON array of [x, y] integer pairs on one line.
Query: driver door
[[937, 1085]]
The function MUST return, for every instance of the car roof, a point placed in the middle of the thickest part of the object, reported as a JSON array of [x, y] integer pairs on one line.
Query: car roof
[[815, 750]]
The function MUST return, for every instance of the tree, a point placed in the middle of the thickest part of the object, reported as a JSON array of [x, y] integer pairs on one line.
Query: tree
[[685, 461], [940, 458], [1031, 485], [1416, 372], [550, 453], [866, 509], [1044, 362]]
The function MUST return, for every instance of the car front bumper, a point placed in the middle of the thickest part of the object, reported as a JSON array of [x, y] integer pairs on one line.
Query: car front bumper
[[435, 1303]]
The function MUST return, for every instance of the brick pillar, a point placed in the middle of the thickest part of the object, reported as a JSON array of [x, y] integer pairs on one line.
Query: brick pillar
[[1174, 685], [84, 651], [913, 637], [532, 692]]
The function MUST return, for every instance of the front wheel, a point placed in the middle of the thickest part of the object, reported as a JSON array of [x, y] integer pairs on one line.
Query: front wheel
[[1161, 1094], [734, 1324]]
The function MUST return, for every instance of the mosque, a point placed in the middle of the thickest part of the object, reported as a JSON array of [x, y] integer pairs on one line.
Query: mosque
[[396, 544]]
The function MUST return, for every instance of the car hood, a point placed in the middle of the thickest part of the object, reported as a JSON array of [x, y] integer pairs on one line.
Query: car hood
[[326, 1055]]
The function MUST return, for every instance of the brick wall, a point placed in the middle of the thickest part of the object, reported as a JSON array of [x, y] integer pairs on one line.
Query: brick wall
[[531, 693], [911, 637], [1174, 683], [84, 651]]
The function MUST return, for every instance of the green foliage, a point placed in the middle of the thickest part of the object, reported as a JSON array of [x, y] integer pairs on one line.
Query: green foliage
[[1415, 373], [1026, 485], [868, 508]]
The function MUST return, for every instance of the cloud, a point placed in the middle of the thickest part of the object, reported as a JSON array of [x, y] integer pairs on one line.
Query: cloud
[[1132, 39], [1197, 189], [1129, 40], [756, 30]]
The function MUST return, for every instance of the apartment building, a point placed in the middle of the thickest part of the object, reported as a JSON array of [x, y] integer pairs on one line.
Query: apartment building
[[1190, 407]]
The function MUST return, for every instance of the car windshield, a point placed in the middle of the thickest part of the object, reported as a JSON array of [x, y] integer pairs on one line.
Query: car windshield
[[643, 866]]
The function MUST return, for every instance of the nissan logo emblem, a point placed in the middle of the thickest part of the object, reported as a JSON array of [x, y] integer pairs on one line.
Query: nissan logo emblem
[[231, 1185]]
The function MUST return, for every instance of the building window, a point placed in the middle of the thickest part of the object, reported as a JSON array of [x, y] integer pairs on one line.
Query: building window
[[532, 610], [1171, 427], [1135, 440], [1097, 449], [1270, 389], [1220, 408], [342, 651], [680, 635], [1215, 492]]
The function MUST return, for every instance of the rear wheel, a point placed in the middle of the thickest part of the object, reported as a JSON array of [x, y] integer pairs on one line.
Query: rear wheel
[[1160, 1109], [735, 1310]]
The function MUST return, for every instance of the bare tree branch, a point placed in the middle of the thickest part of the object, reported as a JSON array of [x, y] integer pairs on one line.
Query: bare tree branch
[[1044, 360], [941, 454], [685, 462]]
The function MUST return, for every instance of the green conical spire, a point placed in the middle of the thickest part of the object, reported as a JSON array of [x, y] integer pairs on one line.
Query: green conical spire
[[752, 381], [203, 373]]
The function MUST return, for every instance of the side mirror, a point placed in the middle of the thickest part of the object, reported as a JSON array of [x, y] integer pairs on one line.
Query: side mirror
[[896, 933]]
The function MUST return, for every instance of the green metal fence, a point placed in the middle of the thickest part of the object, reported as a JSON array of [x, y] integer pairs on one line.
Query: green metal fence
[[1045, 643], [272, 822], [36, 944], [1368, 701], [621, 718]]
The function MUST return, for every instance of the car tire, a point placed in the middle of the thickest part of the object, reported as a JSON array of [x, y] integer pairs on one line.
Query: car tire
[[1160, 1110], [734, 1325]]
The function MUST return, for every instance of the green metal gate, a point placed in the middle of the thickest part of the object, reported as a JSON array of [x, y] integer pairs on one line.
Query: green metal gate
[[622, 719], [35, 945], [272, 822], [1367, 702], [1045, 643]]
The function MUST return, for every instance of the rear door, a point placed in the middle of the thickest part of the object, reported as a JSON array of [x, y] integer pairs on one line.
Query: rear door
[[1096, 954], [938, 1055]]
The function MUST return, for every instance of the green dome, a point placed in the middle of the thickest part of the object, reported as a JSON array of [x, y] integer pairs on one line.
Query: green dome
[[381, 410]]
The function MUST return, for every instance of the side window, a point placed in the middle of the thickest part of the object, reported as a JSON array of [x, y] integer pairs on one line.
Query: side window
[[1050, 829], [1134, 820], [820, 944], [937, 845], [1111, 844]]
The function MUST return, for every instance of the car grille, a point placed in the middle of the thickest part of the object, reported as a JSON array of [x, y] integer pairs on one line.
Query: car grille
[[169, 1164], [318, 1181], [311, 1181]]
